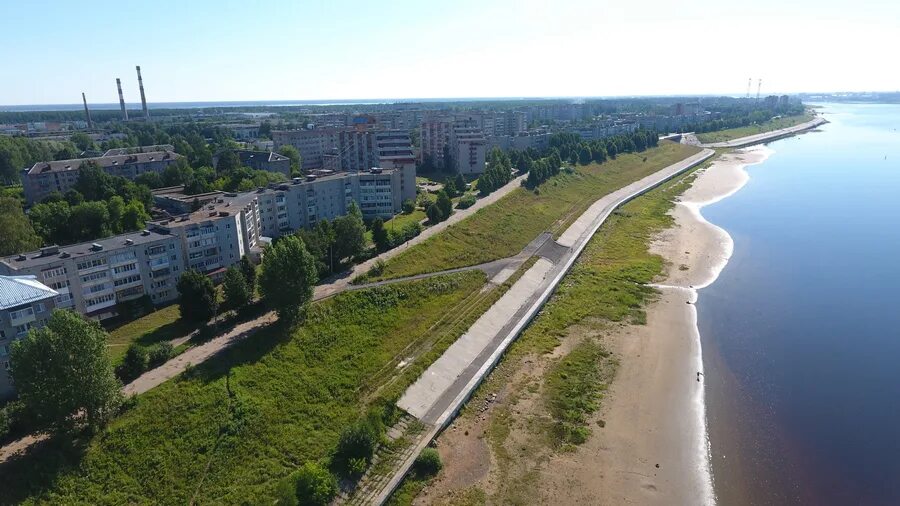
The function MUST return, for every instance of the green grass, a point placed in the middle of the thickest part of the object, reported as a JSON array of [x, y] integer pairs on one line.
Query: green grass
[[163, 324], [505, 227], [606, 286], [398, 221], [768, 126], [228, 429]]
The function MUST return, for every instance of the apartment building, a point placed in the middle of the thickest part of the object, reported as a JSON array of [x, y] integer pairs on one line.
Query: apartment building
[[538, 141], [92, 278], [216, 236], [25, 303], [265, 160], [468, 148], [434, 138], [348, 149], [313, 145], [44, 178]]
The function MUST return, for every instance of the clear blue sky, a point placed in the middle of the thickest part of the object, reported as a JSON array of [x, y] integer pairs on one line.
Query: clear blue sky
[[229, 50]]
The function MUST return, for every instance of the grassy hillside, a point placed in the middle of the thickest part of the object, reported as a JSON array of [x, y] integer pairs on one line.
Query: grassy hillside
[[768, 126], [505, 227], [228, 429]]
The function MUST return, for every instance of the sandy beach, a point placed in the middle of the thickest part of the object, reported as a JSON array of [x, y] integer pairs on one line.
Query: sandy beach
[[652, 447]]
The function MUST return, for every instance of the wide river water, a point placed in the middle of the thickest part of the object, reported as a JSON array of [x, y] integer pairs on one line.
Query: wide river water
[[801, 331]]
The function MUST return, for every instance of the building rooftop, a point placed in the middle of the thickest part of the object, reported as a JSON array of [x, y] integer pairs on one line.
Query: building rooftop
[[19, 290], [223, 204], [139, 149], [51, 254], [269, 156], [102, 161]]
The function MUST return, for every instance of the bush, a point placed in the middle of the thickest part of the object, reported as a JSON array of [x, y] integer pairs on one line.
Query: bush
[[134, 363], [408, 206], [355, 448], [467, 201], [428, 463], [311, 485], [159, 354]]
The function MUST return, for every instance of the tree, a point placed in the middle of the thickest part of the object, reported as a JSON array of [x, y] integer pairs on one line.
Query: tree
[[248, 269], [380, 235], [237, 293], [584, 154], [18, 233], [450, 187], [292, 153], [349, 234], [460, 183], [196, 297], [150, 180], [89, 221], [434, 213], [134, 216], [63, 374], [445, 205], [134, 364], [94, 183], [116, 207], [408, 206], [51, 221], [228, 161], [82, 141], [288, 276]]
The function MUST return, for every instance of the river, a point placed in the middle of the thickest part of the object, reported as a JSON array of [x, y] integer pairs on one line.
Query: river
[[801, 331]]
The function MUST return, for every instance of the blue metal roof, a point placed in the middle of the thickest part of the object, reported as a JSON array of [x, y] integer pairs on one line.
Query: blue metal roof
[[20, 290]]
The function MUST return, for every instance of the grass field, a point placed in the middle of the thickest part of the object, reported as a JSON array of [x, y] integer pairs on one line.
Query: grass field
[[505, 227], [560, 391], [228, 429], [768, 126], [161, 325]]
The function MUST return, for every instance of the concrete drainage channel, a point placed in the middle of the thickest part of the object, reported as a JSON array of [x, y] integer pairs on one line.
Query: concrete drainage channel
[[435, 401]]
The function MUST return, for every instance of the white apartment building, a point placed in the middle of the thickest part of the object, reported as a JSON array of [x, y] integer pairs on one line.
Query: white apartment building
[[92, 278], [468, 150], [25, 303]]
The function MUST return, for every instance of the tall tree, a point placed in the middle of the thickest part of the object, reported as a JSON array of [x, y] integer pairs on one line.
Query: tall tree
[[18, 234], [380, 235], [248, 269], [228, 160], [62, 371], [444, 203], [237, 293], [288, 276], [134, 216], [292, 153], [349, 234], [196, 297]]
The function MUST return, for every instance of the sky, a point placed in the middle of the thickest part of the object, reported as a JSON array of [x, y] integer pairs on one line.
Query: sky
[[223, 50]]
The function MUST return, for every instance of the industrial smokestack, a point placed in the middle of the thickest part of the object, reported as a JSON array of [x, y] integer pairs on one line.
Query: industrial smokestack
[[122, 100], [143, 98], [87, 112]]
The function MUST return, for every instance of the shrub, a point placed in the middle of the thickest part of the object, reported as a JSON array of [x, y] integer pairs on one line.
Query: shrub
[[311, 485], [356, 447], [134, 363], [428, 463], [466, 201], [408, 206], [159, 354]]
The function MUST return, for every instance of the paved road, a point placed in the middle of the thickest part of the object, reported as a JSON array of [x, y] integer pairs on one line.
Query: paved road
[[767, 136]]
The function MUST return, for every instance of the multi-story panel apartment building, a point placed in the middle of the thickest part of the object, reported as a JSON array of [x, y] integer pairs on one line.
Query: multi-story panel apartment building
[[313, 145], [435, 136], [468, 150], [538, 141], [92, 278], [25, 303], [44, 178], [218, 235]]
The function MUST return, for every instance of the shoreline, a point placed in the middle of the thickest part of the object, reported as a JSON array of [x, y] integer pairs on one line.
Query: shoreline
[[704, 248]]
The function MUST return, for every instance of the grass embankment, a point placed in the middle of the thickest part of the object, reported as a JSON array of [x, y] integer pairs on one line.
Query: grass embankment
[[227, 430], [161, 325], [551, 382], [768, 126], [505, 227]]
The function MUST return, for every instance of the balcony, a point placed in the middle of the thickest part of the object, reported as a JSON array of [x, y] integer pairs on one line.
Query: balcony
[[21, 317], [129, 293]]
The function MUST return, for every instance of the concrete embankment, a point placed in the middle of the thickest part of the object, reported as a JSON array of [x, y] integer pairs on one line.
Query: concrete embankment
[[445, 387], [767, 136]]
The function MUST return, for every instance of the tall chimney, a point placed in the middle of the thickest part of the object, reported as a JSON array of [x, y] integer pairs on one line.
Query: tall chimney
[[87, 112], [122, 100], [143, 98]]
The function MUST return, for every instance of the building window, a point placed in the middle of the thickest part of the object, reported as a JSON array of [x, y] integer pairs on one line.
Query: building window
[[39, 307]]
